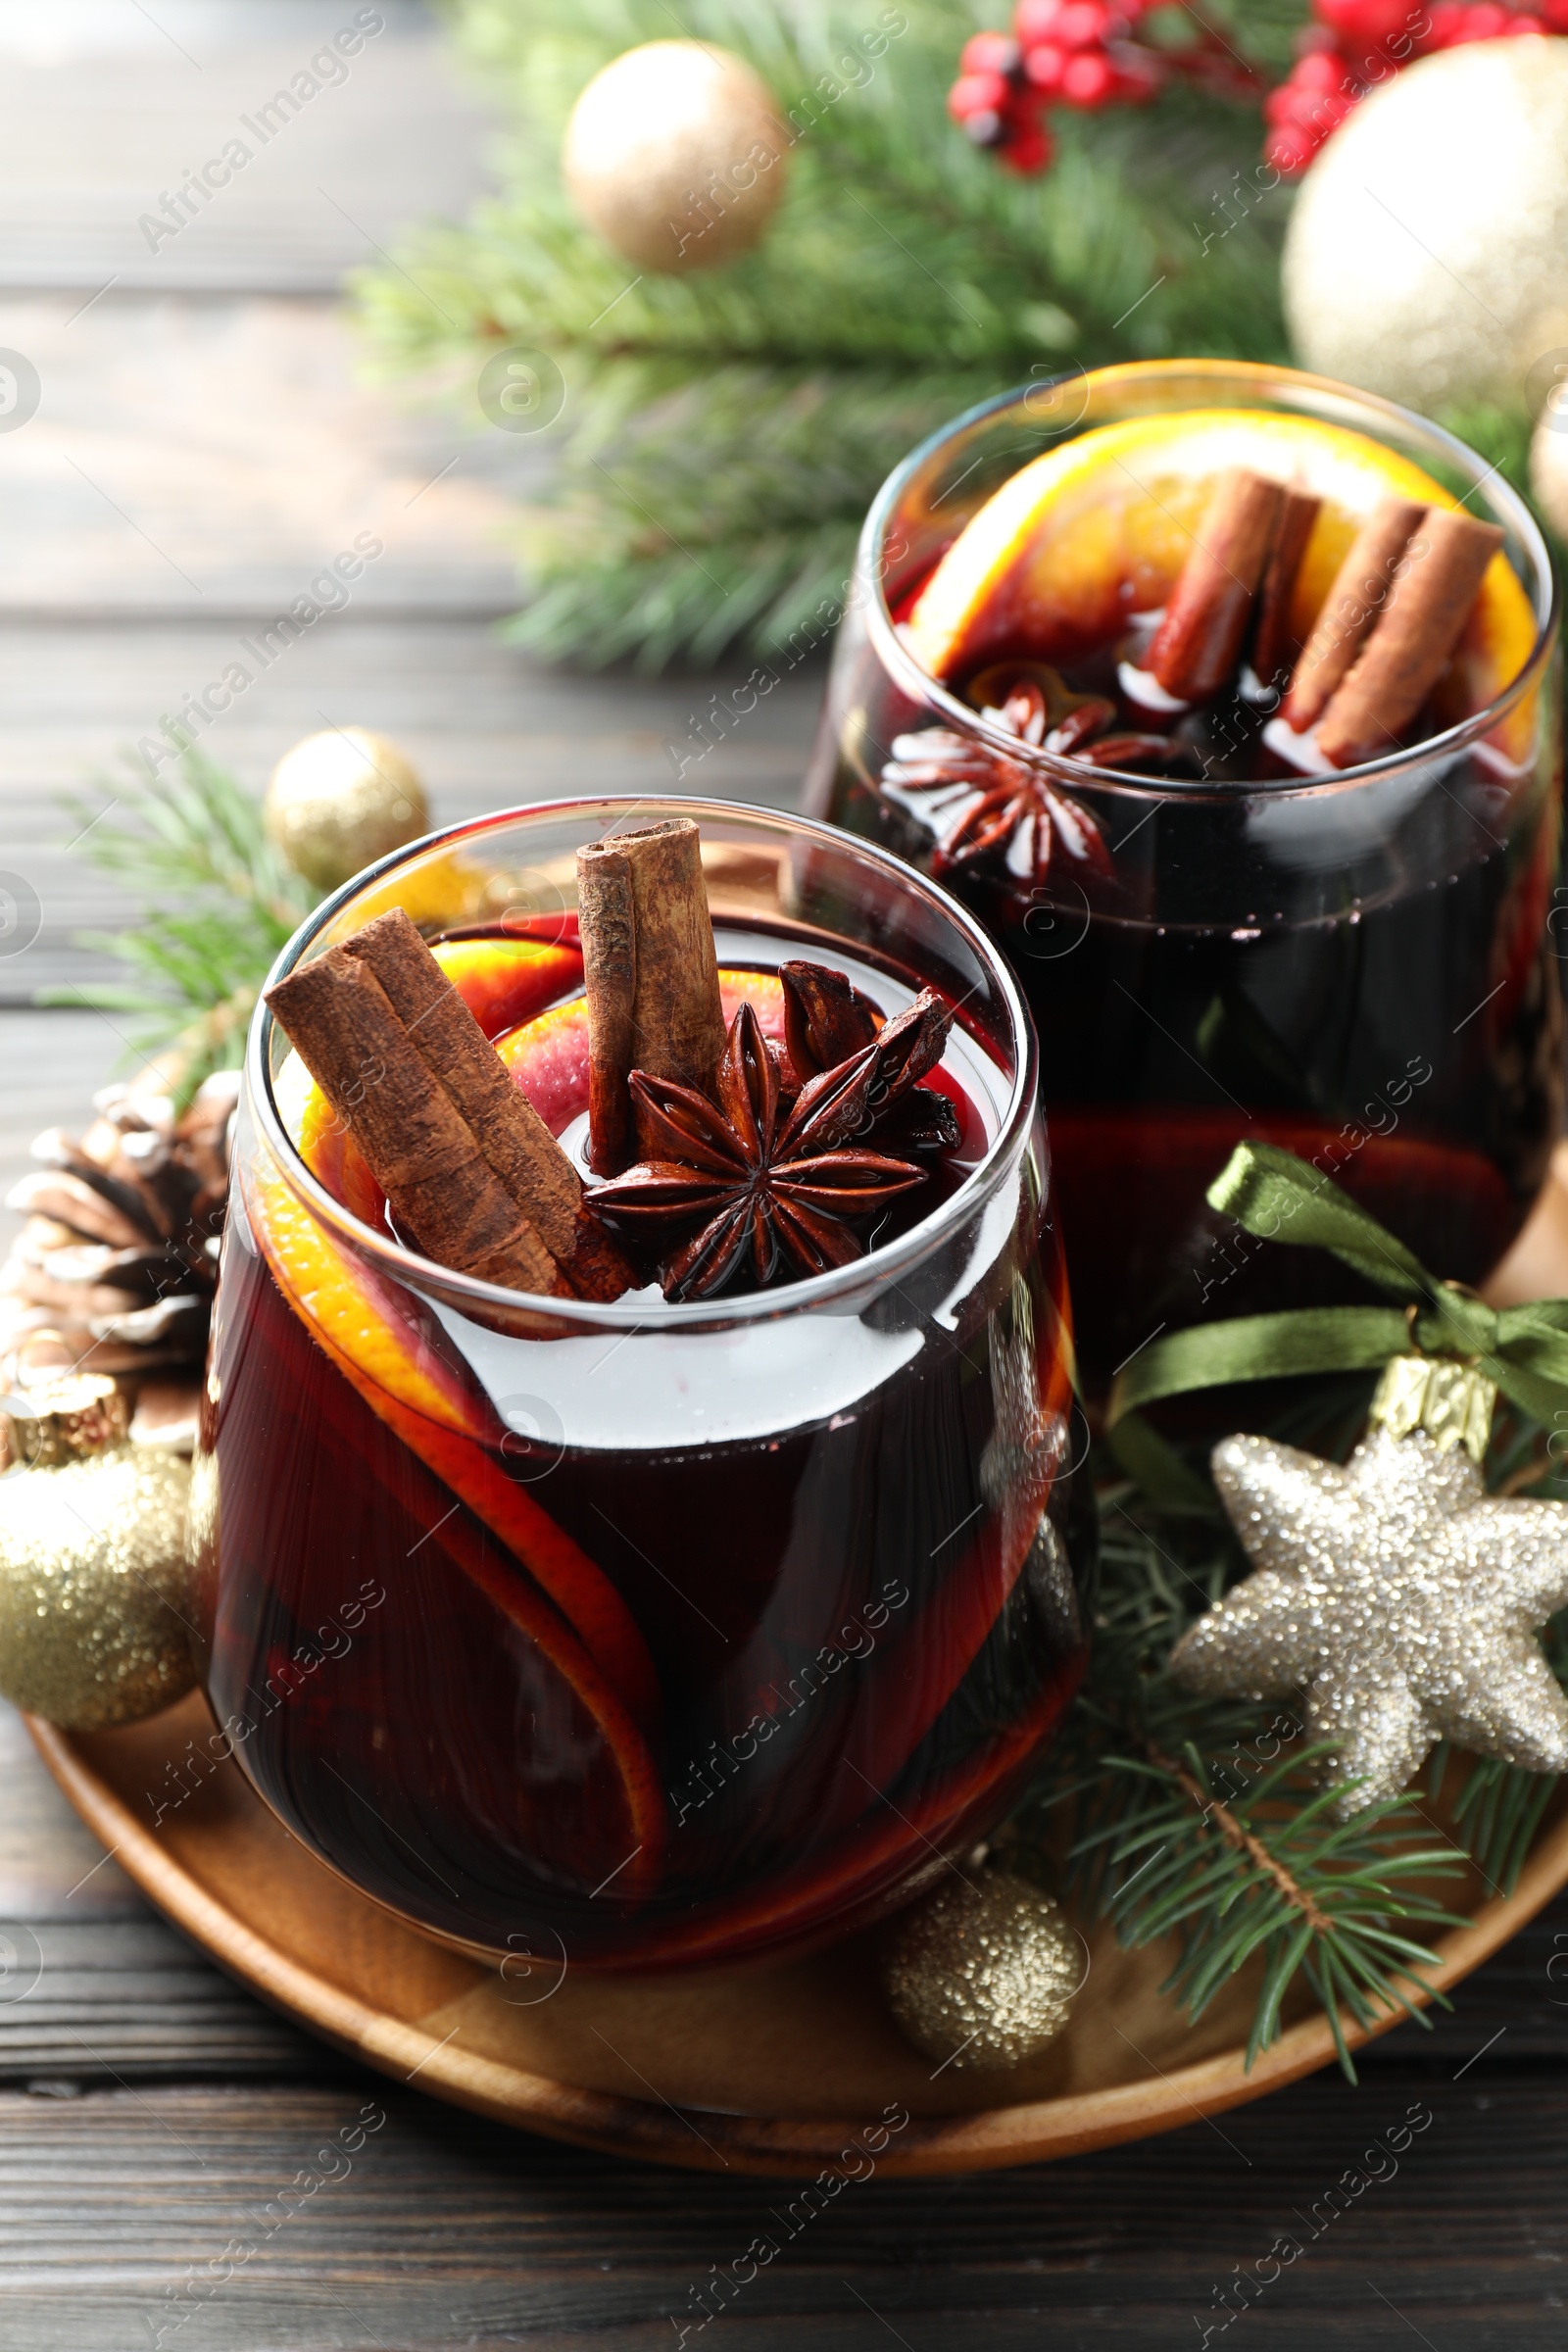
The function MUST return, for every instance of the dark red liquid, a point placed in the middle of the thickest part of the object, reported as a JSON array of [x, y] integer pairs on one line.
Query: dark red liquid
[[1386, 1004], [860, 1626]]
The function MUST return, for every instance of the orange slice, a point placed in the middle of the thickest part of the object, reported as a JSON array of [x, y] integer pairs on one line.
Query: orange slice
[[1055, 560], [506, 981], [382, 1341], [582, 1629]]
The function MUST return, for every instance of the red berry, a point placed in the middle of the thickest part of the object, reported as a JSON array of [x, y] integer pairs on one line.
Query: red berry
[[1043, 66], [988, 52], [1030, 151], [1372, 23], [1036, 20], [1554, 13], [1446, 26], [977, 94], [1487, 22], [1083, 24], [1323, 71], [1288, 104], [1313, 113], [1089, 79], [1289, 151]]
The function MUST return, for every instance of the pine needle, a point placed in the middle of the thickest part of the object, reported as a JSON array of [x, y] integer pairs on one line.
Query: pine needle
[[214, 904]]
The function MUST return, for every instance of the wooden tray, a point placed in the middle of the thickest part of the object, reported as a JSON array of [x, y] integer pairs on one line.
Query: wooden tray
[[756, 2069]]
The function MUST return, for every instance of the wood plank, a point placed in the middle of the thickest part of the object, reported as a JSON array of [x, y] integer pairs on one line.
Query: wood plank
[[51, 1063], [104, 107], [211, 457], [485, 729], [94, 1984], [51, 1867], [135, 2002], [447, 2229]]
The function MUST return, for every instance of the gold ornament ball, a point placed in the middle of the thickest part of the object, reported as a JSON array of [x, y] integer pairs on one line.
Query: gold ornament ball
[[981, 1973], [1427, 255], [339, 801], [93, 1580], [675, 155]]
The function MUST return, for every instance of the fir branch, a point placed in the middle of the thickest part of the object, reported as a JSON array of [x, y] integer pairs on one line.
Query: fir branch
[[1242, 1840], [217, 904], [905, 277], [1208, 1822], [725, 431]]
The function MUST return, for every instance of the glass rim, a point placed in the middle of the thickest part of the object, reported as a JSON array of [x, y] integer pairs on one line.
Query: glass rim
[[1079, 773], [875, 1271]]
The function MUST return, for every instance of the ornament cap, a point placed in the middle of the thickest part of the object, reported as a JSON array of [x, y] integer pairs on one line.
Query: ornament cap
[[1452, 1403], [65, 1421]]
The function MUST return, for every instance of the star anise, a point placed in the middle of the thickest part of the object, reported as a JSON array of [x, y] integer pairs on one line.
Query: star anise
[[826, 1021], [1014, 798], [826, 1018], [770, 1185]]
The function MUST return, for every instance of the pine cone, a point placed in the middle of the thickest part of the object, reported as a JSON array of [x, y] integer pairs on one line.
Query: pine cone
[[115, 1270]]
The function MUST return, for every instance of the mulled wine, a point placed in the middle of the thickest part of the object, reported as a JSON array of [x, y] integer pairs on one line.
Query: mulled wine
[[1249, 760], [694, 1621]]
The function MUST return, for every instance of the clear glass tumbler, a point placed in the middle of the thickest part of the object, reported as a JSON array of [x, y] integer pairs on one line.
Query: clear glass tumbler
[[649, 1635], [1359, 968]]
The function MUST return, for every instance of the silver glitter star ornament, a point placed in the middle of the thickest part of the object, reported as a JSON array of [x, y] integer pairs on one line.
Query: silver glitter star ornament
[[1396, 1593]]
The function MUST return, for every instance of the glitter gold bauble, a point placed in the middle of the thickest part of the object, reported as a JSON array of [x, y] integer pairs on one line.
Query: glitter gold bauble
[[92, 1562], [339, 801], [1396, 1593], [1427, 255], [982, 1972], [675, 155]]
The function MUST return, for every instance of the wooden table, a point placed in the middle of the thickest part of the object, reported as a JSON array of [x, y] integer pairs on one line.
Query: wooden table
[[201, 447]]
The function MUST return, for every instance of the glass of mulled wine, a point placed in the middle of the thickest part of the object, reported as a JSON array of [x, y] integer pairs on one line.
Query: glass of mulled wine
[[645, 1634], [1228, 925]]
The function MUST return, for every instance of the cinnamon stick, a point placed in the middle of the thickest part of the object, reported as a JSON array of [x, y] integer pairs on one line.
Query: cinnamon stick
[[420, 1148], [651, 973], [1412, 638], [1274, 647], [1198, 643], [514, 1140], [1358, 593]]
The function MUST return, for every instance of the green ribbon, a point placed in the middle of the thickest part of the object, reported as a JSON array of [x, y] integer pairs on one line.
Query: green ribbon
[[1279, 1197]]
